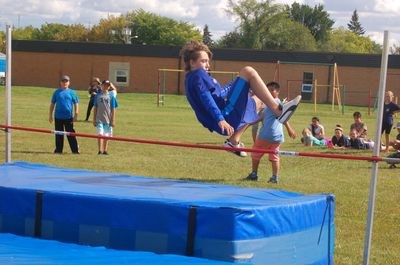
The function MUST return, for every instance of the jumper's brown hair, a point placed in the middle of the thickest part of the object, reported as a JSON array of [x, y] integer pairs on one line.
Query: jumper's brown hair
[[191, 51]]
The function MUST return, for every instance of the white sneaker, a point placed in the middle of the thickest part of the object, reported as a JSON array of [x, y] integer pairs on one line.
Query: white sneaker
[[288, 109], [239, 145], [242, 153]]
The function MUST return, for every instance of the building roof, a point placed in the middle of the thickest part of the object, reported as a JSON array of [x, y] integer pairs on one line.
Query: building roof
[[342, 59]]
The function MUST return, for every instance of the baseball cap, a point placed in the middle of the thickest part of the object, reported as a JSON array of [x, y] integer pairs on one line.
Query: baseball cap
[[398, 125], [105, 82], [64, 77]]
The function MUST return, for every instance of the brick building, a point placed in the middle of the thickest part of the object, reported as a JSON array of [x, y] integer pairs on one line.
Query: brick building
[[134, 68]]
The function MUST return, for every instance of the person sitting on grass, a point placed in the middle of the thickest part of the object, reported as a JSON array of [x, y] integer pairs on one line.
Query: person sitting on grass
[[311, 140], [339, 140], [317, 129], [227, 110], [359, 125], [356, 142], [395, 144], [396, 147]]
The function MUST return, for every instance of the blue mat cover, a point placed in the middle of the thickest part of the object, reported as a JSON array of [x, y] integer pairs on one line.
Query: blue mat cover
[[19, 250], [235, 224]]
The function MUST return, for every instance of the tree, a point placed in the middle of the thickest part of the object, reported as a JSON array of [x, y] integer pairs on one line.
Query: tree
[[316, 19], [75, 32], [108, 30], [263, 25], [289, 35], [55, 31], [2, 42], [230, 40], [157, 30], [345, 41], [207, 37], [395, 49], [48, 31], [26, 33], [255, 19], [354, 25]]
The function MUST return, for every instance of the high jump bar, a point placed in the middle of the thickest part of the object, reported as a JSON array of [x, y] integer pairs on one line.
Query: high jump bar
[[204, 146]]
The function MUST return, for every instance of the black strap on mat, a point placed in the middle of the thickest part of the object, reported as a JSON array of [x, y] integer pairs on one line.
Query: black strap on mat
[[38, 214], [191, 231]]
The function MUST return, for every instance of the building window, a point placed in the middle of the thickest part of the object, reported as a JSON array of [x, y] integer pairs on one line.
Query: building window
[[121, 76], [308, 78]]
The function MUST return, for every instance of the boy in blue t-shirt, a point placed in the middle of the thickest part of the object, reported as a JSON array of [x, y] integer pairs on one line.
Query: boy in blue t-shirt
[[227, 110], [270, 137], [65, 102]]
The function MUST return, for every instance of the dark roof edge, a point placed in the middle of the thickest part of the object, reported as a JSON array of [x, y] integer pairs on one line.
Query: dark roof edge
[[342, 59]]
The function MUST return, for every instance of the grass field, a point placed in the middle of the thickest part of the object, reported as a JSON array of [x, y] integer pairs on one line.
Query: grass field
[[139, 117]]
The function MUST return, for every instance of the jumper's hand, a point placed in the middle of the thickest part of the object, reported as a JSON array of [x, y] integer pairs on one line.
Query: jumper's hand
[[225, 127]]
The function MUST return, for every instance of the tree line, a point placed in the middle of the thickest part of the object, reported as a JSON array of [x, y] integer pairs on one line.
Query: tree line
[[261, 25]]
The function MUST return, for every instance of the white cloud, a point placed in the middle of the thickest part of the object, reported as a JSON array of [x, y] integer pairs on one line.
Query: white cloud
[[387, 6], [375, 15]]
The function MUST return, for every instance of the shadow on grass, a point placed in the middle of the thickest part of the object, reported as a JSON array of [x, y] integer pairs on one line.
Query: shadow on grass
[[210, 143], [32, 152], [202, 180]]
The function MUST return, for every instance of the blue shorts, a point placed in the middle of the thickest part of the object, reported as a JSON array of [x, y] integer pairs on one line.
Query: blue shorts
[[104, 129], [386, 128], [240, 108]]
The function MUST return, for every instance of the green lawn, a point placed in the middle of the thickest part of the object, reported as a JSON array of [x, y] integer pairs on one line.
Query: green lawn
[[139, 117]]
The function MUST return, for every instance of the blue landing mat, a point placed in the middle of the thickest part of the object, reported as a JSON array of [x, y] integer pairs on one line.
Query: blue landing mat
[[19, 250], [120, 211]]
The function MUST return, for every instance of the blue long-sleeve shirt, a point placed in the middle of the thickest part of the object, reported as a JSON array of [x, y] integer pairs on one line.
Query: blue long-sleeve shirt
[[204, 95]]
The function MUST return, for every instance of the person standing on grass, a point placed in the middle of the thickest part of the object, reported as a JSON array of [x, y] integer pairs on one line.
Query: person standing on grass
[[112, 89], [94, 88], [227, 110], [104, 111], [270, 137], [64, 104], [389, 109]]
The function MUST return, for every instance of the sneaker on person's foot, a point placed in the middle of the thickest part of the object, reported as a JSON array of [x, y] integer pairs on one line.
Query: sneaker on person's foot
[[99, 152], [288, 109], [252, 176], [105, 153], [273, 179], [227, 143], [242, 153]]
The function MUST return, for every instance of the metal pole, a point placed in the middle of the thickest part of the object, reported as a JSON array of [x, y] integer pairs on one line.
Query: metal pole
[[8, 93], [344, 97], [374, 169]]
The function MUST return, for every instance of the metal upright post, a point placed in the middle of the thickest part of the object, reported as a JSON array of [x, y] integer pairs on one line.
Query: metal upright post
[[8, 93], [374, 168]]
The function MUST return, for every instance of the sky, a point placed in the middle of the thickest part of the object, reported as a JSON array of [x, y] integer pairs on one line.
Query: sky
[[375, 16]]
